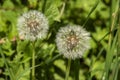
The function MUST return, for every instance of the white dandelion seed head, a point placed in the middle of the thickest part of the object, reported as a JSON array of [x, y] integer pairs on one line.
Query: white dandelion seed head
[[72, 41], [32, 25]]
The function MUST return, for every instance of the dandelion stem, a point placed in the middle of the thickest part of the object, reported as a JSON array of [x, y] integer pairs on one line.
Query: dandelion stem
[[68, 69], [33, 63]]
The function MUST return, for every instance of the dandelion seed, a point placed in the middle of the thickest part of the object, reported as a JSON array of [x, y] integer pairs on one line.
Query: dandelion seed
[[32, 25], [72, 41]]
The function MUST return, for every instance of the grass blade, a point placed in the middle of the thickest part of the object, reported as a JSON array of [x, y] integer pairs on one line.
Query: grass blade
[[109, 57], [94, 7], [6, 64]]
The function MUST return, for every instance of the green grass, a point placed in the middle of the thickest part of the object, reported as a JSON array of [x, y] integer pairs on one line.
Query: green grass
[[101, 62]]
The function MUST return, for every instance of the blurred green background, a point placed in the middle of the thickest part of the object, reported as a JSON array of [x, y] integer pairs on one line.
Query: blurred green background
[[100, 62]]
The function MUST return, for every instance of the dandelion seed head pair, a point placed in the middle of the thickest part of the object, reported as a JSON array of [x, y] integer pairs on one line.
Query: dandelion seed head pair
[[72, 41]]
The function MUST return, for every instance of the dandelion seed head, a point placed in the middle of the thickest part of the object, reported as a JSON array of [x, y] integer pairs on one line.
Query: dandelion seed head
[[32, 25], [72, 41]]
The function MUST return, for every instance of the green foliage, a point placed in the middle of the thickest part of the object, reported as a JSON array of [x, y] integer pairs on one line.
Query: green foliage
[[100, 17]]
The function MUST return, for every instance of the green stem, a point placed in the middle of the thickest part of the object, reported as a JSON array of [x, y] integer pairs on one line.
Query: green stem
[[33, 63], [41, 64], [68, 69]]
